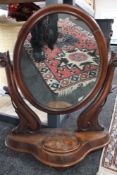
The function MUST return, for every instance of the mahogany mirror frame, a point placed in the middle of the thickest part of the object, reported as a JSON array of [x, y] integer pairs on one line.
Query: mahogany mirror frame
[[59, 148], [90, 22]]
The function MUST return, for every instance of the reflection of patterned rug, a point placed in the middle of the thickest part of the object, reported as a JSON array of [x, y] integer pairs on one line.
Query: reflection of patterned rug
[[108, 164], [73, 62]]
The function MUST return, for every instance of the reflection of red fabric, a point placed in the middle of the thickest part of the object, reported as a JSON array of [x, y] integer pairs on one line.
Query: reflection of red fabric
[[22, 11], [74, 62]]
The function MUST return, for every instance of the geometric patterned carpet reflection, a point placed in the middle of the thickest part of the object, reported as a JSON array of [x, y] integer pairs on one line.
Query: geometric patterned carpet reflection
[[108, 163], [74, 61]]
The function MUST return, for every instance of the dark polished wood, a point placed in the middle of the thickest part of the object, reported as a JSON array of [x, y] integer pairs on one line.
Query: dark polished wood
[[91, 23], [88, 119], [31, 121], [58, 148]]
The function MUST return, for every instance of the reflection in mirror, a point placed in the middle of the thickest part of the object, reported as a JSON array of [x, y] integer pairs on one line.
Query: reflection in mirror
[[60, 61]]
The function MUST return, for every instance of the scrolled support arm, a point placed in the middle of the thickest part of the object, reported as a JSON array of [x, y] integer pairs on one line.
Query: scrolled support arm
[[88, 119], [29, 121]]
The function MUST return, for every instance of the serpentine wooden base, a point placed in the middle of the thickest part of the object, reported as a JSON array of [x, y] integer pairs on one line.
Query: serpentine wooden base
[[58, 148]]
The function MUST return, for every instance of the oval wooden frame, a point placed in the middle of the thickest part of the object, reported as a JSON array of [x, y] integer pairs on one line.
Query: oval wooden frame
[[91, 23]]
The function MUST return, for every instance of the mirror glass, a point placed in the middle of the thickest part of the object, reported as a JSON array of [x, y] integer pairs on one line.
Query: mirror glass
[[60, 61]]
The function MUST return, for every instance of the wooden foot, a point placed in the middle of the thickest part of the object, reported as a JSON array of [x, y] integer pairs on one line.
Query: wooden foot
[[58, 148]]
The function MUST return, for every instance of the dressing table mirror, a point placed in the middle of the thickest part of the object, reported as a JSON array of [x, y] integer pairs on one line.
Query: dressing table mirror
[[60, 65]]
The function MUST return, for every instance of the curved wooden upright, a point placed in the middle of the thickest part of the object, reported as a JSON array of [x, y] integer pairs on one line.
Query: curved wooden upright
[[58, 148]]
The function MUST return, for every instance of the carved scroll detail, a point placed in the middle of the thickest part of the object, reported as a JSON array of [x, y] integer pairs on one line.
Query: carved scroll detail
[[29, 121], [88, 119]]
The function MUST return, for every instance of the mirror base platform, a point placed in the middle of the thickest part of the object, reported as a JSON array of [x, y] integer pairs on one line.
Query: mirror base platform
[[58, 148]]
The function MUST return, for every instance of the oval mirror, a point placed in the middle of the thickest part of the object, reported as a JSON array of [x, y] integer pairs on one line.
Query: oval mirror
[[58, 61]]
